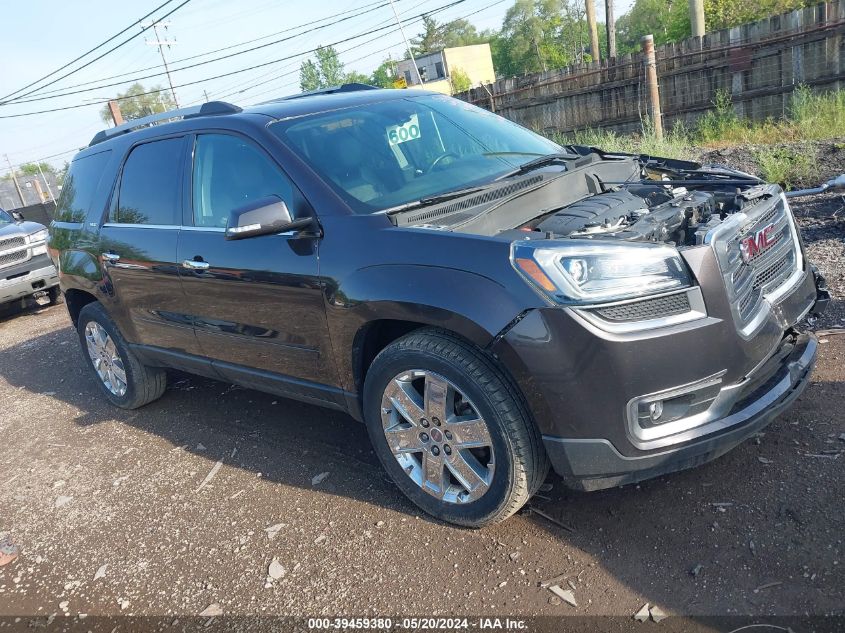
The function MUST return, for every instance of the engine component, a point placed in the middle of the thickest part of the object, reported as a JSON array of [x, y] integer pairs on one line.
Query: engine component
[[606, 209]]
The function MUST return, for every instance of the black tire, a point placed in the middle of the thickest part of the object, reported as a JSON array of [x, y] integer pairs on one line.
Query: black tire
[[143, 384], [521, 463], [54, 294]]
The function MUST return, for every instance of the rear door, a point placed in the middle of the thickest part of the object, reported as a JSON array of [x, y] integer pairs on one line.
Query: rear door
[[138, 246], [256, 303]]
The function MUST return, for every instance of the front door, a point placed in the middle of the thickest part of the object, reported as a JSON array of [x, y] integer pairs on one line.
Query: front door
[[256, 303], [138, 247]]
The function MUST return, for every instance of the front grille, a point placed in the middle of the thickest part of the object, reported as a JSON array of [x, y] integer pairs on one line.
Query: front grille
[[11, 242], [13, 251], [765, 268], [646, 309]]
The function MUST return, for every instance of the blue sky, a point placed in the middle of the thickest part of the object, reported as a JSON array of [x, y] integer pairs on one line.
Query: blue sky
[[40, 36]]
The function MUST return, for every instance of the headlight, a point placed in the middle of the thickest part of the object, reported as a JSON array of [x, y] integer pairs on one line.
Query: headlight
[[38, 236], [579, 272]]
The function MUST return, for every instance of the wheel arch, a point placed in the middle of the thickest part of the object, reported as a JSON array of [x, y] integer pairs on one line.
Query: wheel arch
[[75, 300]]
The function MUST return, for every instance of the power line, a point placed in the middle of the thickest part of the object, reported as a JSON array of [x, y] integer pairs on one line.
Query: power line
[[174, 70], [99, 57], [43, 92], [236, 87], [463, 17], [85, 54], [234, 72]]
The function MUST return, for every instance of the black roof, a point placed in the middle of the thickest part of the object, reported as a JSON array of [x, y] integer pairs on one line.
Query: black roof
[[287, 107], [300, 105]]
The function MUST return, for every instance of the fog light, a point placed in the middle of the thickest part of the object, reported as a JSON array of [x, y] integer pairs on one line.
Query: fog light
[[655, 410]]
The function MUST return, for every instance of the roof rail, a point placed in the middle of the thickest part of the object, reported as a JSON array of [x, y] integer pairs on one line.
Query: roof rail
[[206, 109], [353, 87]]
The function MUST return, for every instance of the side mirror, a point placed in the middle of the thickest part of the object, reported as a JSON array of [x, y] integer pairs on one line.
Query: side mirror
[[263, 217], [18, 217]]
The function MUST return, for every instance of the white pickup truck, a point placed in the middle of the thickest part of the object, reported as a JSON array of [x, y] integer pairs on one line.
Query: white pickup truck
[[25, 269]]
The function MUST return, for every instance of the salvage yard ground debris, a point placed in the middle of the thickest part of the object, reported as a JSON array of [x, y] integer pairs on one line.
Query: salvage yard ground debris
[[151, 545]]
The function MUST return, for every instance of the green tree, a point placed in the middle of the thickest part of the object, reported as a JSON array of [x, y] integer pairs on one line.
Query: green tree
[[460, 80], [135, 103], [31, 169], [722, 14], [435, 37], [538, 35], [355, 77], [61, 174], [667, 20], [385, 74], [325, 72]]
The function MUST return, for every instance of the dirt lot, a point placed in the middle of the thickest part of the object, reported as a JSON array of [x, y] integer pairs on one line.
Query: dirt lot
[[185, 503]]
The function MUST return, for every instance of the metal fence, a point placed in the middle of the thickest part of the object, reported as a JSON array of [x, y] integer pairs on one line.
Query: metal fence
[[759, 65]]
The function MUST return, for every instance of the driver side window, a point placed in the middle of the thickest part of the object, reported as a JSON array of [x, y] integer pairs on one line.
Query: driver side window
[[229, 172]]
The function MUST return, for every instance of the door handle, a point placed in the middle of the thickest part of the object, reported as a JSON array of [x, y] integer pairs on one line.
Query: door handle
[[192, 264], [111, 258]]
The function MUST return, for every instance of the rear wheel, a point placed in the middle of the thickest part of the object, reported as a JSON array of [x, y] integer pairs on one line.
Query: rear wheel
[[452, 430], [123, 379]]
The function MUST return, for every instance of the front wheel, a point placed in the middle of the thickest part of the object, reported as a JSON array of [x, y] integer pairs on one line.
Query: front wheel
[[452, 430]]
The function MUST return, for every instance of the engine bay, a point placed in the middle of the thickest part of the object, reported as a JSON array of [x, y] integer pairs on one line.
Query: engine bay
[[599, 195], [650, 213], [659, 207]]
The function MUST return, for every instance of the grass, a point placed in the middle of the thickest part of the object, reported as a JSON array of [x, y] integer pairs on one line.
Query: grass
[[786, 167], [674, 144], [812, 116]]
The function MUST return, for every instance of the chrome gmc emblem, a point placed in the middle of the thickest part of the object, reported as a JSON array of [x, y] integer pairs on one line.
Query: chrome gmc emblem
[[757, 243]]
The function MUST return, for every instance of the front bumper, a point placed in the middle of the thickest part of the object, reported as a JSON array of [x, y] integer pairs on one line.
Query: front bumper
[[36, 275], [582, 383], [593, 464]]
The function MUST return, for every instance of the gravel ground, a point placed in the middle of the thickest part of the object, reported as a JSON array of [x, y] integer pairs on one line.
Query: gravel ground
[[129, 513]]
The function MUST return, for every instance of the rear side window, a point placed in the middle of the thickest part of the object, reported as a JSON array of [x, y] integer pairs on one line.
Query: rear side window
[[150, 184], [79, 186], [228, 173]]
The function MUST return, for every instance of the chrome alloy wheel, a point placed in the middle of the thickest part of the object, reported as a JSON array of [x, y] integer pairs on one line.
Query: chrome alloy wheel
[[105, 358], [438, 436]]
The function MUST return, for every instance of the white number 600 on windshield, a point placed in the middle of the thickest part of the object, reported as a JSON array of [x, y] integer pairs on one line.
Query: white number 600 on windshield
[[407, 132]]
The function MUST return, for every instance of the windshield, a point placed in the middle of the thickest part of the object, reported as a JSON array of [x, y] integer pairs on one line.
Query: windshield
[[381, 155], [5, 218]]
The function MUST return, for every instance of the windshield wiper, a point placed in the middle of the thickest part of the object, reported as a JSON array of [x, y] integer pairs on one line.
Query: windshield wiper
[[430, 200], [536, 163]]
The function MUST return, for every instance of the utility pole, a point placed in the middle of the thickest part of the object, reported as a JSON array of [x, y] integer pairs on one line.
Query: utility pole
[[116, 115], [49, 189], [161, 44], [696, 14], [594, 34], [15, 179], [651, 80], [407, 45], [611, 28]]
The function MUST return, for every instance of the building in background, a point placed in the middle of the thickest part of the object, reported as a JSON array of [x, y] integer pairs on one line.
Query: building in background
[[436, 68], [33, 188]]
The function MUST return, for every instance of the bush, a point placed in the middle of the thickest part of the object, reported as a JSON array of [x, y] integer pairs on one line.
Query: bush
[[786, 167], [720, 122], [460, 81]]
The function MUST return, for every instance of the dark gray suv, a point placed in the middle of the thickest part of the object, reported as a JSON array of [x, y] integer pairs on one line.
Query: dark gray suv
[[486, 301]]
